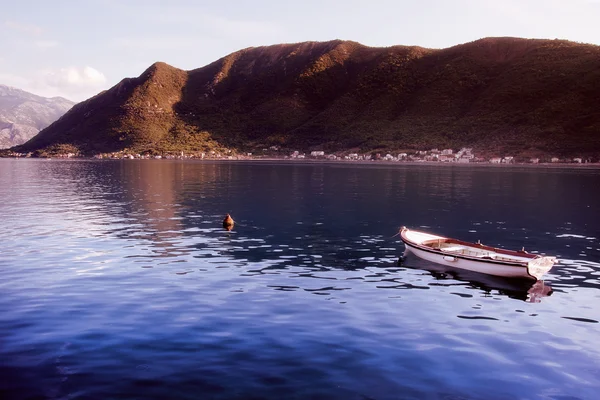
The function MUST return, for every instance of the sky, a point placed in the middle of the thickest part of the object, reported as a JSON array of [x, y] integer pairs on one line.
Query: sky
[[76, 49]]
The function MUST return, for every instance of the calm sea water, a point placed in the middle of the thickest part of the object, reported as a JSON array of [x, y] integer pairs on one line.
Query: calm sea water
[[118, 281]]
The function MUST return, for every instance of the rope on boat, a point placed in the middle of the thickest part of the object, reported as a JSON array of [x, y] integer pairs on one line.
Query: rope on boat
[[396, 234]]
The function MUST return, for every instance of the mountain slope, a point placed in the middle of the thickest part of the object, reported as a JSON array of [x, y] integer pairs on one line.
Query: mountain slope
[[23, 115], [499, 95]]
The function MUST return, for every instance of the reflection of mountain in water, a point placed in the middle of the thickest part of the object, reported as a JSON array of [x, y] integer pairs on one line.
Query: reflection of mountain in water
[[146, 200], [158, 195], [151, 189]]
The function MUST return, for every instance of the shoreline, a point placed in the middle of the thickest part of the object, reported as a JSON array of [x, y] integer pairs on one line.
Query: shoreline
[[273, 160], [416, 163]]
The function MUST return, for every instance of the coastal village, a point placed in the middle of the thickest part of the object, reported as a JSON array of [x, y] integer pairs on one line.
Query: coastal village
[[463, 156]]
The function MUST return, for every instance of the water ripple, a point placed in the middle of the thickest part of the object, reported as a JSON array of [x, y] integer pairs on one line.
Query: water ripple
[[116, 279]]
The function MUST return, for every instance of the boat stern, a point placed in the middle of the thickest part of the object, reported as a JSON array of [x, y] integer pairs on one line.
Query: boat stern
[[539, 266]]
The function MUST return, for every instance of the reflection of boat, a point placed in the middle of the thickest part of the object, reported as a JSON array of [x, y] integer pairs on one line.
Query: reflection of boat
[[521, 289], [476, 256]]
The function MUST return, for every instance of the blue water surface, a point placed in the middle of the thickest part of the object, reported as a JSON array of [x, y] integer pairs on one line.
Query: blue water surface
[[118, 281]]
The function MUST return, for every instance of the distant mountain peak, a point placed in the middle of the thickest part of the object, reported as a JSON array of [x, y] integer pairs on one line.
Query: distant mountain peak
[[6, 90], [23, 114]]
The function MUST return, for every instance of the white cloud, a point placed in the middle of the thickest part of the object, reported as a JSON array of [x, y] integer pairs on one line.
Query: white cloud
[[29, 29], [73, 83], [74, 77]]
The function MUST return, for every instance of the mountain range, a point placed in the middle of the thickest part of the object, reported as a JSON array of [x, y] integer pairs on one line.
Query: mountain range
[[523, 97], [23, 115]]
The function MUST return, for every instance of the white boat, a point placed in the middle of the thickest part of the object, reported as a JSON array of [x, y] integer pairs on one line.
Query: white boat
[[476, 256]]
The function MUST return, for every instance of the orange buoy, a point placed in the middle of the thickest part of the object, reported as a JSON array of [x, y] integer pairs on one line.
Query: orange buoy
[[228, 222]]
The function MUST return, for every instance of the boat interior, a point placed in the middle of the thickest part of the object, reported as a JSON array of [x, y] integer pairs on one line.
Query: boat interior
[[478, 250]]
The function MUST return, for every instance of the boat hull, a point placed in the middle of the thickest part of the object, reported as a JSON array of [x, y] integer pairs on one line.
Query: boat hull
[[504, 270]]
